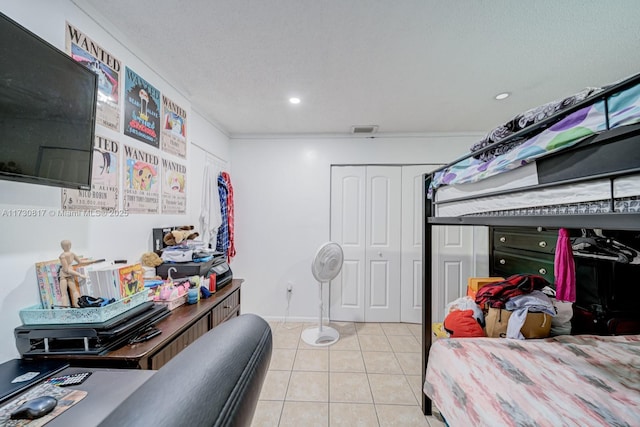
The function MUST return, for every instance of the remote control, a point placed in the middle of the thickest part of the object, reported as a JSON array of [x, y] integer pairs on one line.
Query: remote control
[[145, 335], [70, 379]]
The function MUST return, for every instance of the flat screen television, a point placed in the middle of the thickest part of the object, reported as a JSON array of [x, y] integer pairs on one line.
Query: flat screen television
[[47, 111]]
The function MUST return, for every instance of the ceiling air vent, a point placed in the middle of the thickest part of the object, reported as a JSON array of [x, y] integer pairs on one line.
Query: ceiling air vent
[[364, 130]]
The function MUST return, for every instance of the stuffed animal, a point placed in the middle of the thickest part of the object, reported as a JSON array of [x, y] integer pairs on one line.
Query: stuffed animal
[[150, 259], [186, 232], [438, 330]]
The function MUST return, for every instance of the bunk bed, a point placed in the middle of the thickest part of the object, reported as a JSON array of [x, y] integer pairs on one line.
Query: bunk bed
[[576, 165]]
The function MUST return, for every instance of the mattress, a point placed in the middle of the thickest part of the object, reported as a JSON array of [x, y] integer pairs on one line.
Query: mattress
[[514, 179], [581, 380], [559, 200]]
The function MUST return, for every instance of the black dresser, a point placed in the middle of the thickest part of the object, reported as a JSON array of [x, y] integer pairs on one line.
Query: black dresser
[[523, 250]]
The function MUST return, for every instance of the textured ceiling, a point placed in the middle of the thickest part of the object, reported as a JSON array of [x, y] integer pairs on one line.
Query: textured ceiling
[[408, 66]]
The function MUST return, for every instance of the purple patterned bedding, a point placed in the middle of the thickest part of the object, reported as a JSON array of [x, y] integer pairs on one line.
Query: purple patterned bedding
[[580, 380], [624, 109], [524, 120]]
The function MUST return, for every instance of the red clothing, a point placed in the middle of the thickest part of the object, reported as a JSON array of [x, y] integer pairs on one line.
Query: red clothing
[[461, 323], [230, 209]]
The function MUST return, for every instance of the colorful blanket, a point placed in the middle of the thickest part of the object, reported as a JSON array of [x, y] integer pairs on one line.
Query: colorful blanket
[[624, 109], [580, 380], [524, 120]]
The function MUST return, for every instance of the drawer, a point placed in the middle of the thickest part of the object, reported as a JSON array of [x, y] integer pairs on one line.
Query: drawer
[[506, 264], [228, 307], [192, 333], [536, 241]]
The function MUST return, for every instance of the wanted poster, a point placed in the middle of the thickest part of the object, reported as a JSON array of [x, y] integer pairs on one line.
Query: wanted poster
[[141, 193], [174, 190], [142, 109], [173, 137], [89, 53], [104, 191]]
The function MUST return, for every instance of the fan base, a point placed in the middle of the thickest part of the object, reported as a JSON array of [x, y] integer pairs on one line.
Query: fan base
[[317, 338]]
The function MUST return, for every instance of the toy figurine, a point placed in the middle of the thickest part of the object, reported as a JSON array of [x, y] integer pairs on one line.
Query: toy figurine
[[68, 284]]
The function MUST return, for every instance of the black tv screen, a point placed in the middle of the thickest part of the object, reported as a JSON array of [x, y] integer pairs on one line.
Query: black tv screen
[[47, 111]]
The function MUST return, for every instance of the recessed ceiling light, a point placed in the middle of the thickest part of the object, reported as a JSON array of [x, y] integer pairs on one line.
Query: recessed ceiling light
[[294, 100], [502, 95]]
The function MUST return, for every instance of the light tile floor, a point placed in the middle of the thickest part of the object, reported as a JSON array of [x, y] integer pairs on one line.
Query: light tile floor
[[370, 377]]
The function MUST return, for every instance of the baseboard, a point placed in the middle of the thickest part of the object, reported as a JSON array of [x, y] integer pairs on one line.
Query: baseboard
[[290, 319]]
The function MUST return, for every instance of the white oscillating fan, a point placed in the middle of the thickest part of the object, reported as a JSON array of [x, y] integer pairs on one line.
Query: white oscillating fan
[[325, 267]]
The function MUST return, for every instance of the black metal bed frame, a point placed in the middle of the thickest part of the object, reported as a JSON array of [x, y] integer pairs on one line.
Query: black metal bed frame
[[613, 220]]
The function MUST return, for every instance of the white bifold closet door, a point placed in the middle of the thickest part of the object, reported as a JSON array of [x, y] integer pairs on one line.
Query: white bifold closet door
[[383, 198], [412, 233], [346, 291], [376, 216], [365, 220]]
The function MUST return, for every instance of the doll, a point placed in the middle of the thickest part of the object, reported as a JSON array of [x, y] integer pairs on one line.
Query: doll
[[68, 284]]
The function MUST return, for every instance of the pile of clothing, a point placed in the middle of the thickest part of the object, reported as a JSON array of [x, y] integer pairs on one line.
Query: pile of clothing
[[520, 295], [501, 309]]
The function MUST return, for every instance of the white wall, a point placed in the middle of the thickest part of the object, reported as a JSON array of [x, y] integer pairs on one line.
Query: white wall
[[282, 205], [281, 193], [29, 240]]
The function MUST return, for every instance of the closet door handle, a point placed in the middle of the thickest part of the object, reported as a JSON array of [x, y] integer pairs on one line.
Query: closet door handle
[[502, 261], [503, 239], [379, 254], [542, 271], [542, 244]]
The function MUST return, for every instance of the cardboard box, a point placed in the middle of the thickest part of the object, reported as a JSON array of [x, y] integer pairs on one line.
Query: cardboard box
[[475, 283], [537, 325]]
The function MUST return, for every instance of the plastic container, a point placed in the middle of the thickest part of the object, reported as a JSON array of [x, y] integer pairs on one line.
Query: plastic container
[[173, 303], [36, 315]]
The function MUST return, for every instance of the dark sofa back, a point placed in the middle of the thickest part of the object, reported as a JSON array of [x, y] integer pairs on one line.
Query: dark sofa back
[[215, 381]]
